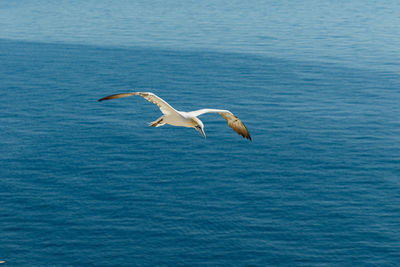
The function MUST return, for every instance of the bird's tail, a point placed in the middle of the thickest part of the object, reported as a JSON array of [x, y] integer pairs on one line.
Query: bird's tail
[[158, 122]]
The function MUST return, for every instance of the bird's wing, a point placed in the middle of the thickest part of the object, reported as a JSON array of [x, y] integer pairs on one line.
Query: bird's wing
[[234, 122], [164, 106]]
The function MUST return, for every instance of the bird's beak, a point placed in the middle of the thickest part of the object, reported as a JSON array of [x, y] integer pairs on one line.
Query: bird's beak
[[200, 130]]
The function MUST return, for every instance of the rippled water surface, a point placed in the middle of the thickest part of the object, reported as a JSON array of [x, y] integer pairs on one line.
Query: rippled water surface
[[88, 183]]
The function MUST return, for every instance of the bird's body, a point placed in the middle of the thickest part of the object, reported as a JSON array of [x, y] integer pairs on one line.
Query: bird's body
[[185, 119], [178, 118]]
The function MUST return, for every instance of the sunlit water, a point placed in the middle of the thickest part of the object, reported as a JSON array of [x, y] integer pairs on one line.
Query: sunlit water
[[88, 183]]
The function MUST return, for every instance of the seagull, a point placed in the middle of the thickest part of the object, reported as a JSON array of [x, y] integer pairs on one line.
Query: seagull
[[186, 119]]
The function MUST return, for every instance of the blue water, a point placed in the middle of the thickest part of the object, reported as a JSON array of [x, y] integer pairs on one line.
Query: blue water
[[317, 84]]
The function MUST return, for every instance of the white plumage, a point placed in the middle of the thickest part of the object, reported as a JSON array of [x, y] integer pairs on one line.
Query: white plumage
[[185, 119]]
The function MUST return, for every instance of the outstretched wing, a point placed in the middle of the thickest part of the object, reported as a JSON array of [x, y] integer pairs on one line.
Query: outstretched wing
[[164, 106], [234, 122]]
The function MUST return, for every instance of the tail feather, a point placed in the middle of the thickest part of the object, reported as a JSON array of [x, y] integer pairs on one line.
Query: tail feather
[[157, 123]]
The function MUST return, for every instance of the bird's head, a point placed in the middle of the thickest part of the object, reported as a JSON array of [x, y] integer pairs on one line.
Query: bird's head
[[199, 126]]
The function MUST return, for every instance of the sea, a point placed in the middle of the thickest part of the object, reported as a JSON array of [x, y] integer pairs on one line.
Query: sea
[[88, 183]]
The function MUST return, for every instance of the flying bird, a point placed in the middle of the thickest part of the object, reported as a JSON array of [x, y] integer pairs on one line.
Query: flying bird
[[186, 119]]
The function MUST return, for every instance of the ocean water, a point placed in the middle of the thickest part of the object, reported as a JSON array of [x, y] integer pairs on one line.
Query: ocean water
[[317, 84]]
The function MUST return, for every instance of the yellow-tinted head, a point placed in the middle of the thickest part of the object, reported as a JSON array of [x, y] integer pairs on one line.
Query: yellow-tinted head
[[199, 126]]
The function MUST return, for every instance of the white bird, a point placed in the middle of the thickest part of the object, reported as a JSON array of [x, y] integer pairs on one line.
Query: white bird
[[185, 119]]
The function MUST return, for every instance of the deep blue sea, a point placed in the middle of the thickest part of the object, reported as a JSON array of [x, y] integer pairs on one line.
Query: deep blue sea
[[88, 183]]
